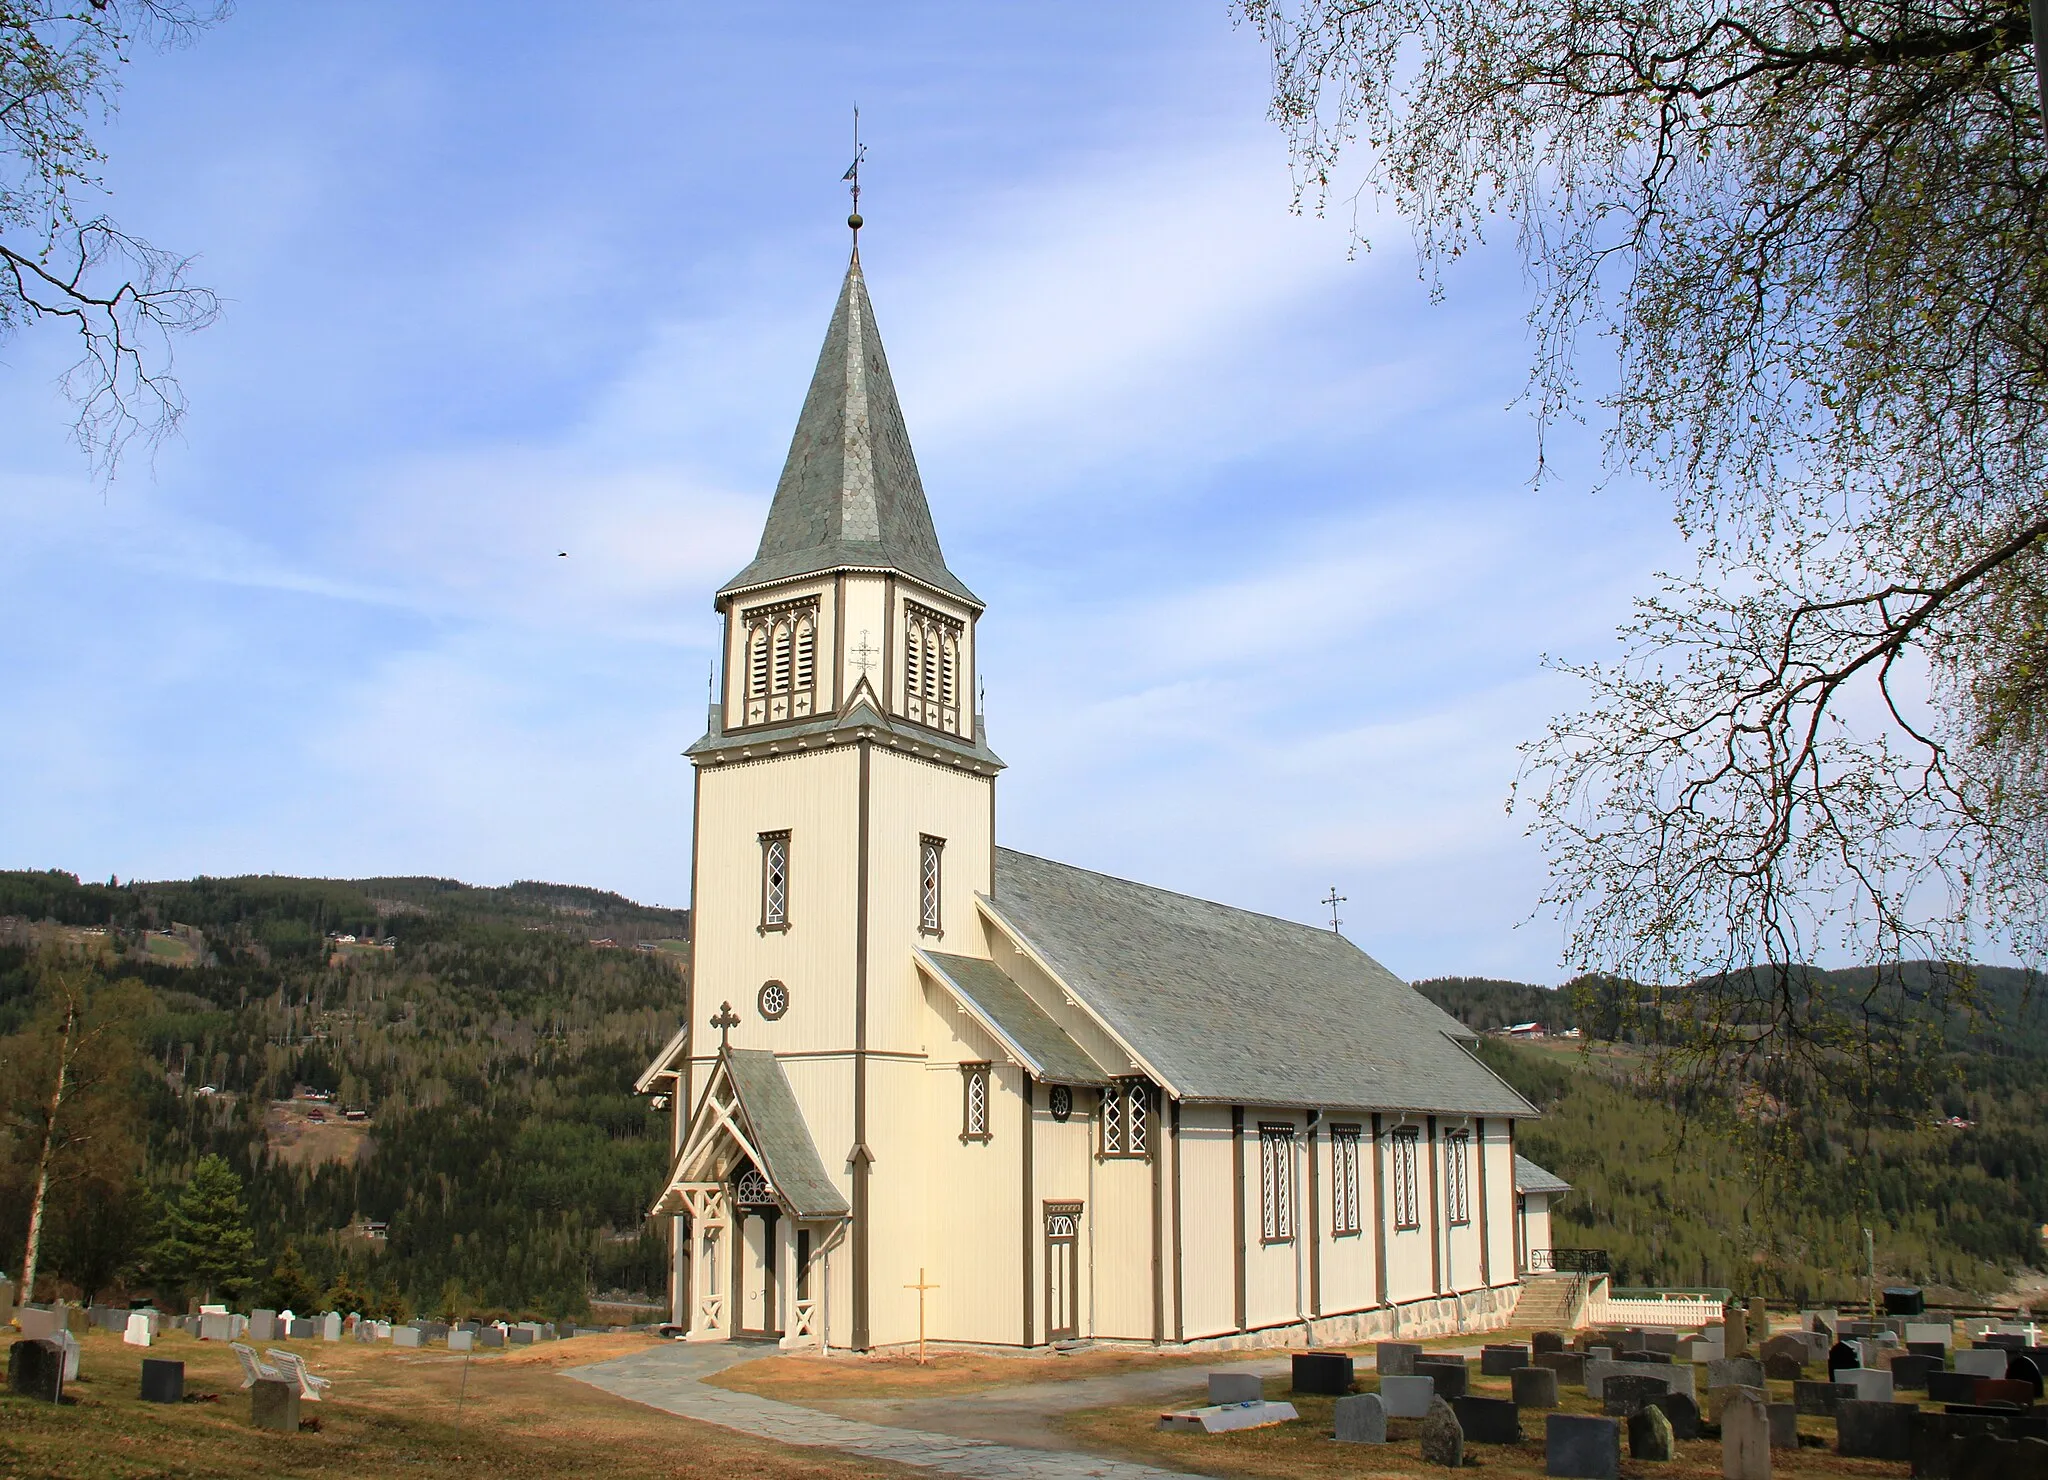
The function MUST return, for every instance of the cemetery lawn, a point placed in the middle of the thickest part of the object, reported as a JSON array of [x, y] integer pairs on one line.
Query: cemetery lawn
[[389, 1413], [1304, 1450]]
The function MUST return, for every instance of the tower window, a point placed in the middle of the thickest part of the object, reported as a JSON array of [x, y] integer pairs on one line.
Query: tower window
[[1276, 1182], [782, 661], [930, 858], [931, 667], [775, 881], [974, 1102]]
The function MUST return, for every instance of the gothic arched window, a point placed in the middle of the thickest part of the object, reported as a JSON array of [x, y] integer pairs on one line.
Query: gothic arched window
[[782, 661], [931, 667]]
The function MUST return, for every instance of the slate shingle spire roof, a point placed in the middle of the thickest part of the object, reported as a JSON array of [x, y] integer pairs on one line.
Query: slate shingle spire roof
[[849, 496]]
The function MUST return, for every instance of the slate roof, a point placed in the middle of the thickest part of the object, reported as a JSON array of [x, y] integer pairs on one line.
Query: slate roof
[[1051, 1055], [849, 495], [781, 1137], [1529, 1177], [1241, 1008]]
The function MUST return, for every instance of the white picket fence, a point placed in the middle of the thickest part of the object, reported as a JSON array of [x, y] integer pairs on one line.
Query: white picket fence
[[1687, 1311]]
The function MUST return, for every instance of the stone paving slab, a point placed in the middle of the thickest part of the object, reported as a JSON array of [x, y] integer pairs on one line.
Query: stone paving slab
[[671, 1378]]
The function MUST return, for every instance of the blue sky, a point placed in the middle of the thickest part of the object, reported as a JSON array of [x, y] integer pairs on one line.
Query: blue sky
[[1268, 581]]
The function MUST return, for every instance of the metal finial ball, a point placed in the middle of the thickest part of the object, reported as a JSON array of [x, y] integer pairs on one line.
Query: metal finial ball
[[855, 221]]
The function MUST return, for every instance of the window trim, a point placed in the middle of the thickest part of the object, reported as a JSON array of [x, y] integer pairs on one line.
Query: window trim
[[1276, 1181], [1127, 1136], [972, 1073], [778, 662], [1346, 1215], [1458, 1179], [931, 903], [772, 924], [1405, 1145]]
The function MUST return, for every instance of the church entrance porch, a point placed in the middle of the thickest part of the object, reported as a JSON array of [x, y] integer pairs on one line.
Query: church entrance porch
[[756, 1307]]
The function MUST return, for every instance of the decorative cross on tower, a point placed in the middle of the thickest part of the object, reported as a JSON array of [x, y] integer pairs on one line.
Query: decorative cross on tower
[[863, 653], [1333, 901], [725, 1022]]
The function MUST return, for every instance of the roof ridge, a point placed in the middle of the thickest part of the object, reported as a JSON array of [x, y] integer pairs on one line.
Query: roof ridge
[[1217, 904]]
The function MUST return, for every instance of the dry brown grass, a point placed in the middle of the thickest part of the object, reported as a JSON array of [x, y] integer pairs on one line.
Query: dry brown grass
[[390, 1413]]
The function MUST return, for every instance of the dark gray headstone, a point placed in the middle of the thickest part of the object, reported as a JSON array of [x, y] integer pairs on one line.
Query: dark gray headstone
[[1396, 1358], [1488, 1420], [1322, 1372], [1533, 1387], [1875, 1430], [2003, 1390], [1782, 1369], [2010, 1340], [1649, 1434], [1951, 1387], [1840, 1356], [1499, 1361], [1683, 1412], [1664, 1343], [1735, 1372], [1361, 1419], [162, 1381], [35, 1369], [1547, 1341], [1443, 1441], [1582, 1447], [1822, 1399], [491, 1336], [1784, 1425], [521, 1336], [1450, 1373], [2021, 1368], [1936, 1349], [1911, 1371], [1570, 1367], [274, 1405], [1626, 1395]]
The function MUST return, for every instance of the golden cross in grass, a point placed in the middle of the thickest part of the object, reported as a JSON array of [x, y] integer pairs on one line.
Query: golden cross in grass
[[921, 1286]]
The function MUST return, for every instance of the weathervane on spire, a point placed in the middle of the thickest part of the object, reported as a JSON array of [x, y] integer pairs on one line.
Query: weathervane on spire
[[853, 174]]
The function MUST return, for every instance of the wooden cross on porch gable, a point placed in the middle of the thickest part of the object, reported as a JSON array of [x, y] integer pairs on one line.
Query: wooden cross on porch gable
[[725, 1022]]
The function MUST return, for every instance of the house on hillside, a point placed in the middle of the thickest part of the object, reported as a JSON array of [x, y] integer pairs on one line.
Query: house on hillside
[[1068, 1105]]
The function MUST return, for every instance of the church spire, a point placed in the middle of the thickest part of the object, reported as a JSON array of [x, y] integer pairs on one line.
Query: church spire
[[849, 496]]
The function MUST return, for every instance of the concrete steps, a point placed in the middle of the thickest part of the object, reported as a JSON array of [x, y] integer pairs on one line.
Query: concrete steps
[[1548, 1302]]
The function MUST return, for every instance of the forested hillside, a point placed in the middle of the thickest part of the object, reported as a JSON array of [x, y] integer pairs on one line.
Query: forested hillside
[[1953, 1180], [491, 1035]]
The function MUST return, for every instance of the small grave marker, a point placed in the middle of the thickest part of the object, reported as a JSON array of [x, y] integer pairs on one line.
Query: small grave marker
[[163, 1381], [1361, 1419], [1582, 1447]]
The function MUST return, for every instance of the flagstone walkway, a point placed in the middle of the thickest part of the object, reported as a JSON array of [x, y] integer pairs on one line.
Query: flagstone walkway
[[670, 1377]]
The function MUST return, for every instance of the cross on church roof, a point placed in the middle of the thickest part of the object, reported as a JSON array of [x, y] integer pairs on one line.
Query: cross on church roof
[[1333, 901], [725, 1022]]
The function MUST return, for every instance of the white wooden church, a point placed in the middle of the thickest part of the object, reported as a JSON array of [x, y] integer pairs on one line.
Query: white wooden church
[[1069, 1105]]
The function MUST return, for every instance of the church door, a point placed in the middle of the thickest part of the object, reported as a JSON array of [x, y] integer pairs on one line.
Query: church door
[[1062, 1271], [756, 1310]]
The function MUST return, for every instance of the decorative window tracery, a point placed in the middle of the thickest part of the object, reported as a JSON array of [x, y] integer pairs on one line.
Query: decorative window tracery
[[1407, 1191], [782, 661], [1344, 1203], [1458, 1177], [931, 667], [930, 856], [774, 881], [751, 1190], [1126, 1118], [974, 1102], [1276, 1182]]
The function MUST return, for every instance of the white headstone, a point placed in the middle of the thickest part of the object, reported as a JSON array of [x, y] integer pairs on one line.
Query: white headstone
[[65, 1339], [405, 1336], [1928, 1331], [1982, 1361], [137, 1333], [1872, 1386], [216, 1326], [330, 1326], [286, 1317], [1745, 1437], [461, 1341]]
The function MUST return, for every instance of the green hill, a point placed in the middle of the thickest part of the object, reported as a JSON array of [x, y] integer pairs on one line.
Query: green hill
[[493, 1042]]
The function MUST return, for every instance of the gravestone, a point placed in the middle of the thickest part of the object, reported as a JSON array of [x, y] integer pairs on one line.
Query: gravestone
[[1759, 1322], [216, 1328], [1982, 1361], [1450, 1373], [1499, 1361], [1735, 1372], [263, 1325], [1649, 1434], [1361, 1419], [1784, 1425], [1600, 1354], [1797, 1345], [1570, 1367], [1911, 1371], [35, 1369], [1871, 1430], [1934, 1349], [520, 1336], [1235, 1387], [1644, 1354], [461, 1341], [69, 1343], [1871, 1386], [491, 1336], [1841, 1357], [1663, 1342], [1952, 1387], [366, 1330], [1533, 1387], [138, 1332], [274, 1405], [1734, 1333], [306, 1328], [2021, 1368], [1941, 1332], [1622, 1396], [1582, 1447], [1397, 1358], [1745, 1436], [2002, 1390], [1488, 1420], [1443, 1442], [1677, 1379], [330, 1326], [405, 1336], [40, 1325], [163, 1381], [1783, 1369], [1322, 1372], [1683, 1413], [1405, 1397], [1547, 1341]]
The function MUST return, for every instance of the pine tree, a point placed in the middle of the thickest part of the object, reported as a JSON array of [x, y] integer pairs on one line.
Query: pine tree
[[290, 1287], [209, 1244]]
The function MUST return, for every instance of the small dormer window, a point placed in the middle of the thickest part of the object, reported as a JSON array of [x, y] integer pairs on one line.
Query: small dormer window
[[931, 667], [782, 661]]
